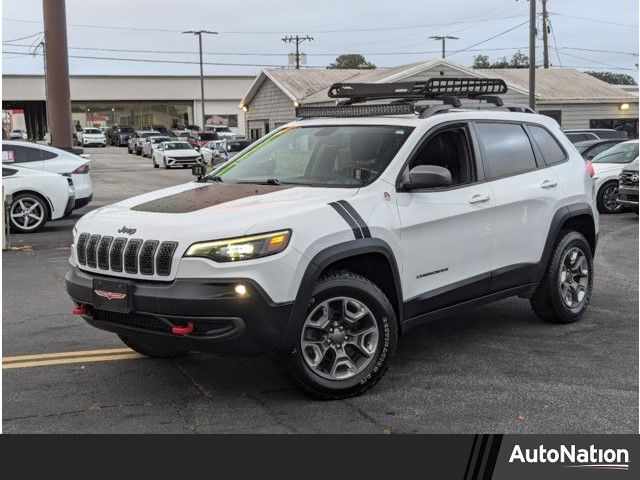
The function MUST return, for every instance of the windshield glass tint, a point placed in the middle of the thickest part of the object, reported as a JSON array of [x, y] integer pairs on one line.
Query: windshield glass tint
[[127, 130], [339, 155], [159, 139], [620, 153], [177, 146], [92, 130], [237, 146]]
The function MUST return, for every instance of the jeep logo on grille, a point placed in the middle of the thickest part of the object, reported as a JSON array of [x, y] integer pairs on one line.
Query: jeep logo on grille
[[127, 230]]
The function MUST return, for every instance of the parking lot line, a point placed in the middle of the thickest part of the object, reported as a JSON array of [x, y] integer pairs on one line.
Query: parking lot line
[[68, 361], [79, 353]]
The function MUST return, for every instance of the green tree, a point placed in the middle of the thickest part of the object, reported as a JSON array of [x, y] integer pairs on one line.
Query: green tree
[[518, 60], [352, 60], [615, 78], [481, 61]]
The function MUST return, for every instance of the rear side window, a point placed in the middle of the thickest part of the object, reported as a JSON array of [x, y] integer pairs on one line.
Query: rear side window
[[47, 155], [19, 154], [550, 149], [506, 149]]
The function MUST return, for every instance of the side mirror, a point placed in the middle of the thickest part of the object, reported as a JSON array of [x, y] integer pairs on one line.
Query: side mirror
[[198, 170], [428, 176]]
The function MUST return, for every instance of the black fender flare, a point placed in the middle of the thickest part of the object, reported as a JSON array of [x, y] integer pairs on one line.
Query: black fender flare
[[559, 218], [330, 255]]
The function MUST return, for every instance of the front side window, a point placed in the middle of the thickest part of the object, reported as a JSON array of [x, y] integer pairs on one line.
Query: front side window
[[621, 153], [332, 156], [449, 149], [506, 149]]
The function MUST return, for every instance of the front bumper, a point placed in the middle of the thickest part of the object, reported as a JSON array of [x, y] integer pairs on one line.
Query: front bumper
[[628, 195], [226, 323], [172, 162]]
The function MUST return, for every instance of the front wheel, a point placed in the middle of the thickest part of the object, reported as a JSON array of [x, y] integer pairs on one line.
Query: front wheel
[[608, 198], [565, 290], [151, 348], [347, 339]]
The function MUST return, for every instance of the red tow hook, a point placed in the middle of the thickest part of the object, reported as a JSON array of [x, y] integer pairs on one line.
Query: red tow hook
[[180, 330], [80, 310]]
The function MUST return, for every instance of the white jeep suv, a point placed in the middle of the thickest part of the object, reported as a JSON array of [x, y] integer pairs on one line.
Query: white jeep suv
[[324, 241]]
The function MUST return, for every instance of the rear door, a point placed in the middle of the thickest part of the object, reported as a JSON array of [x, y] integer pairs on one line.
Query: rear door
[[526, 193]]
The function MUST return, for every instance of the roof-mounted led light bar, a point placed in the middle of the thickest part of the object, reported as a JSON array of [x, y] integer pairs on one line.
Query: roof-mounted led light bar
[[355, 110]]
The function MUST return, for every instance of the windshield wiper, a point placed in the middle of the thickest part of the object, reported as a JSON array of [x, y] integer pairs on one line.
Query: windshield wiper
[[212, 178], [268, 181]]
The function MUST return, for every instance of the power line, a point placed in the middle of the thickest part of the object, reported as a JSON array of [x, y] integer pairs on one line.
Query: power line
[[600, 51], [23, 38], [490, 38], [594, 61], [555, 43], [273, 32], [595, 20]]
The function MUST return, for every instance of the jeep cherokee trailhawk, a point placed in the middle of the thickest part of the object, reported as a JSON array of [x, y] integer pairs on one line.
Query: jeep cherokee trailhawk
[[325, 240]]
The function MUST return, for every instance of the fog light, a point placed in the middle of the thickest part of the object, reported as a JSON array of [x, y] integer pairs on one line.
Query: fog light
[[241, 290]]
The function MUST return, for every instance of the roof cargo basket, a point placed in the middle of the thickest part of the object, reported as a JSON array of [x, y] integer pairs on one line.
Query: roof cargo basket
[[403, 97]]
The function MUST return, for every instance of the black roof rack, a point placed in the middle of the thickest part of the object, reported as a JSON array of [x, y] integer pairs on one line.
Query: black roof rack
[[404, 95]]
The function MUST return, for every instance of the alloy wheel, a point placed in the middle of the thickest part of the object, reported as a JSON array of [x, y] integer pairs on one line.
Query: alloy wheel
[[27, 213], [610, 198], [339, 338], [574, 278]]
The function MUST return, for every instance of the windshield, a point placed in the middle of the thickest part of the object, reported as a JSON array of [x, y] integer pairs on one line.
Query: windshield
[[236, 146], [127, 130], [92, 130], [340, 156], [620, 153], [208, 136], [148, 134], [177, 146], [159, 139]]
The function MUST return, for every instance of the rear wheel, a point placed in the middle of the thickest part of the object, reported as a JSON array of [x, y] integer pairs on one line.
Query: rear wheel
[[28, 213], [608, 198], [345, 343], [152, 348], [565, 290]]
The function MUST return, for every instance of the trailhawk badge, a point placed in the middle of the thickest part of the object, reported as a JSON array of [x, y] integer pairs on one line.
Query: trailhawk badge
[[110, 295]]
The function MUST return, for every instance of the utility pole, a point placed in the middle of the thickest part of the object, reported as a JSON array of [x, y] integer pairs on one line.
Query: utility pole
[[58, 102], [532, 54], [444, 38], [199, 34], [297, 40], [545, 34]]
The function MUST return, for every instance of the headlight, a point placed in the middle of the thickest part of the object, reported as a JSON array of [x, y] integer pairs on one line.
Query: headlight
[[241, 248], [74, 233]]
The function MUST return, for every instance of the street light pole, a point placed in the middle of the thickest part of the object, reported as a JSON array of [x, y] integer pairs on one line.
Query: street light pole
[[444, 38], [199, 34]]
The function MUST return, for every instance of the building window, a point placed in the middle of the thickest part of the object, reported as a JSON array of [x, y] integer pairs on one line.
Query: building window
[[629, 125], [555, 114], [224, 120], [255, 133]]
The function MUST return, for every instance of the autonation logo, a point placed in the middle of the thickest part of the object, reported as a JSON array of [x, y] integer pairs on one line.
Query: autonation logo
[[590, 458]]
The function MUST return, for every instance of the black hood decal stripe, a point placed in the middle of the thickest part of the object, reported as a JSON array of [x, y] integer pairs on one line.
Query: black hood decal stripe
[[205, 196], [355, 221]]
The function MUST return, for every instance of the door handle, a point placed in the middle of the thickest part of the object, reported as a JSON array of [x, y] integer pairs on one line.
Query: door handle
[[479, 198], [548, 184]]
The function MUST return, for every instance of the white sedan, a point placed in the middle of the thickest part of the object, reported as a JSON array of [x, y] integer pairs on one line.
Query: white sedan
[[150, 144], [43, 157], [210, 149], [91, 136], [173, 154], [607, 167], [36, 197]]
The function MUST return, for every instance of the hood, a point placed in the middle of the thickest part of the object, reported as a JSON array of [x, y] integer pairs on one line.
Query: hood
[[196, 211]]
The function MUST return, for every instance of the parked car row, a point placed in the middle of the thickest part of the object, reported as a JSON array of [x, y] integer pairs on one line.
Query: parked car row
[[46, 183]]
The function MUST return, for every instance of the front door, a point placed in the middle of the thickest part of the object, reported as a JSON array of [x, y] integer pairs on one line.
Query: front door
[[446, 233]]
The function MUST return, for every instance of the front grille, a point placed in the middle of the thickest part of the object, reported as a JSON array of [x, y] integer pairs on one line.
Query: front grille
[[133, 256], [91, 250], [626, 178], [139, 320]]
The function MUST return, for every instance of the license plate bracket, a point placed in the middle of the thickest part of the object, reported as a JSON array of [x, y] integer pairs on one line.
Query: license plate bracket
[[112, 295]]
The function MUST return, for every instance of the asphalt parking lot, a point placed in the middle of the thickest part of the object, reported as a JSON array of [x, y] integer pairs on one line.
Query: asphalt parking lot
[[494, 369]]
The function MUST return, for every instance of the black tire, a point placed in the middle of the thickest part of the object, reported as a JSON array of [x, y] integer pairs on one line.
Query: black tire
[[129, 149], [164, 164], [138, 152], [28, 200], [155, 165], [152, 348], [339, 284], [547, 301], [604, 199]]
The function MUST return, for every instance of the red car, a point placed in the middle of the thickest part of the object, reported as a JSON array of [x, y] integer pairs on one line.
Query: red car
[[199, 139]]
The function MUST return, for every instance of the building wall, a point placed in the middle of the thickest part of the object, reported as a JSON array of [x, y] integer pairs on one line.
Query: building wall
[[269, 106], [577, 115]]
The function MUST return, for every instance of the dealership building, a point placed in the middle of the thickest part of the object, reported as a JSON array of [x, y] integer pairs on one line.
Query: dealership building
[[141, 101]]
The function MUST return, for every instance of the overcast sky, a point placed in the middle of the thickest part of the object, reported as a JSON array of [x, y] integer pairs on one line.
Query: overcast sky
[[253, 28]]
